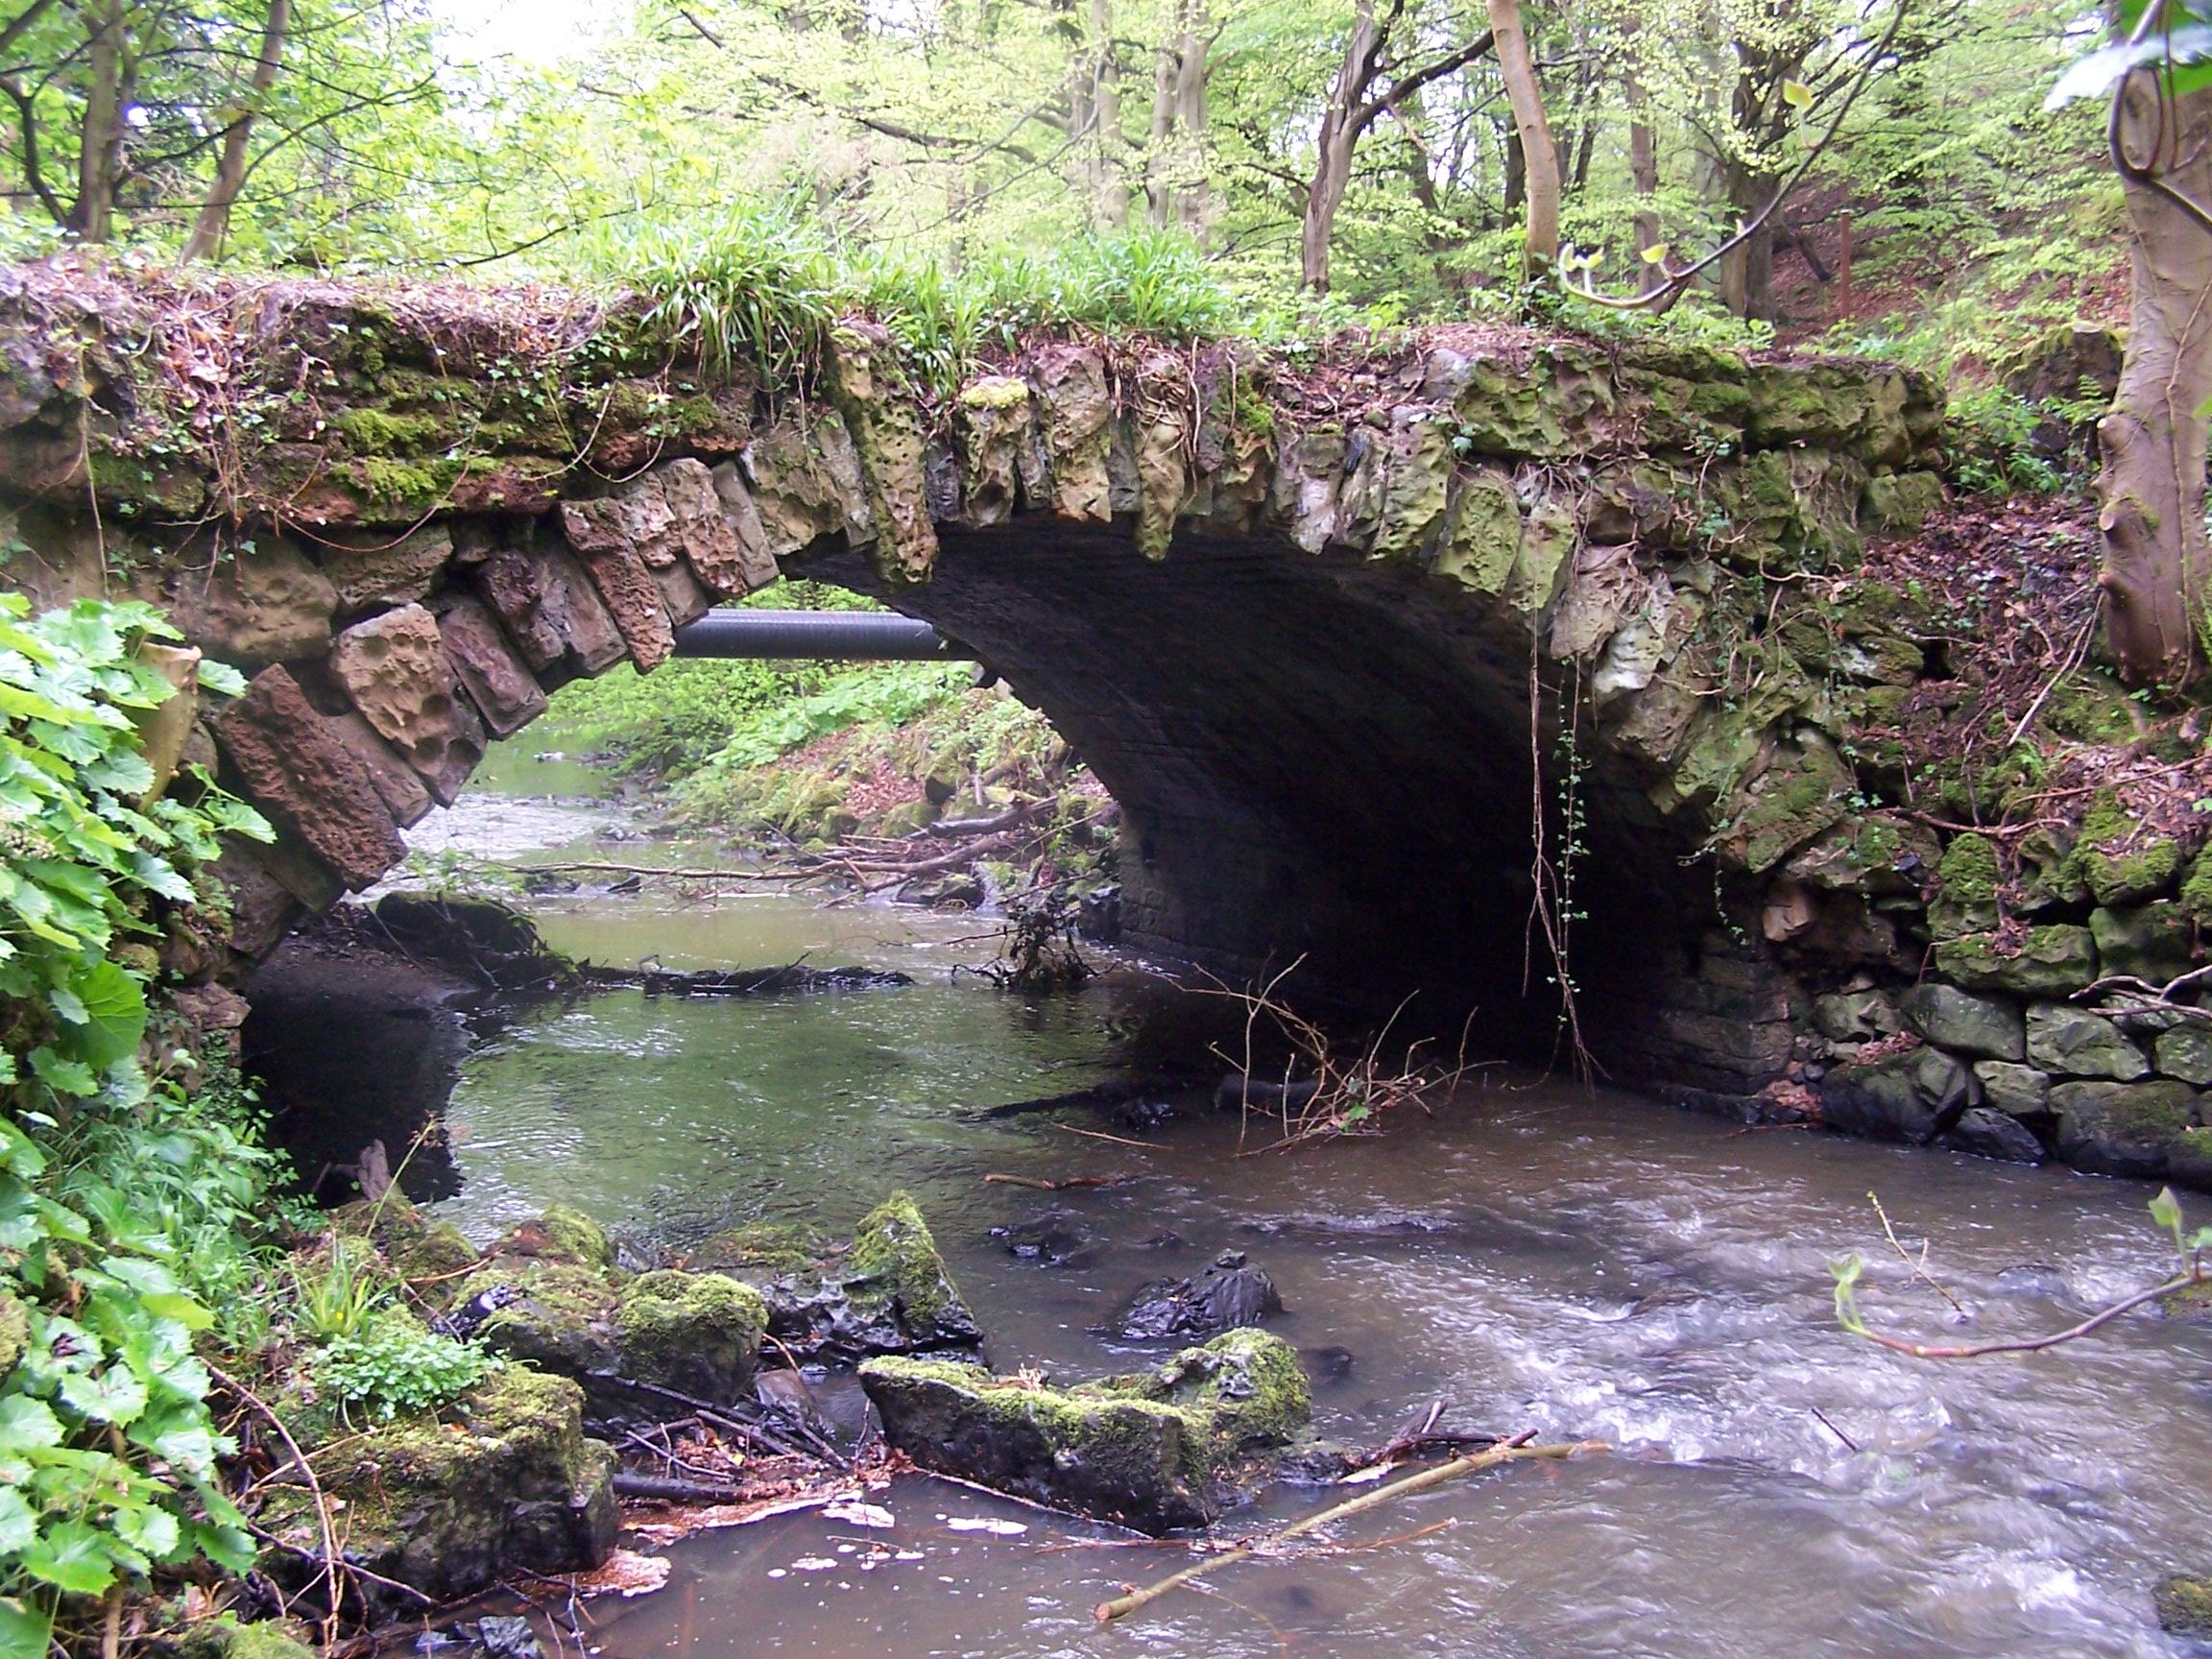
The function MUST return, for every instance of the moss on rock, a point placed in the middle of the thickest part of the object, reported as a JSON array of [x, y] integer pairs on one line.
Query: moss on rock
[[2123, 862], [2185, 1606], [2052, 960], [895, 1276], [451, 1504], [224, 1638], [697, 1333], [1155, 1450], [1969, 877]]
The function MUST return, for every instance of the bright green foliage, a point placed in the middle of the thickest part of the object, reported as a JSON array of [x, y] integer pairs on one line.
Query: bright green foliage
[[121, 1208], [397, 1367], [895, 692]]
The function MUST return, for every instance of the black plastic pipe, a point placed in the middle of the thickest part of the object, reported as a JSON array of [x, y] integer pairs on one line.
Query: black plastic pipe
[[859, 635]]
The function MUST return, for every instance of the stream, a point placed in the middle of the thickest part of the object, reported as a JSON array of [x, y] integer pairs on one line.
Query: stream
[[1545, 1257]]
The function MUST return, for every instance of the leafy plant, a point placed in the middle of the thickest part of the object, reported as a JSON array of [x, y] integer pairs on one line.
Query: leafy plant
[[123, 1211], [335, 1298], [397, 1367]]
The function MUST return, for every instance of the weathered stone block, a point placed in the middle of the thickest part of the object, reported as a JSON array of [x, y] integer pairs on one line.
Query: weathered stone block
[[1855, 1016], [2186, 1052], [994, 421], [270, 603], [2020, 1089], [2154, 941], [396, 669], [705, 529], [2072, 1043], [1908, 1096], [300, 771], [866, 383], [397, 782], [2124, 861], [261, 906], [375, 573], [1077, 413], [2050, 960], [2122, 1128], [755, 564], [1988, 1133], [601, 532], [1899, 503], [1949, 1018], [505, 692], [553, 613], [1968, 877]]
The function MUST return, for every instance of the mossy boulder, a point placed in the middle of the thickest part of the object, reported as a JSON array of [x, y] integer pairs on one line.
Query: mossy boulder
[[2185, 1606], [2050, 960], [2124, 861], [899, 1294], [2049, 875], [1871, 853], [15, 1331], [2122, 1128], [1154, 1450], [2196, 896], [696, 1333], [550, 1297], [761, 1247], [1950, 1017], [2069, 1042], [1899, 503], [502, 1482], [1802, 791], [1912, 1097], [2186, 1052]]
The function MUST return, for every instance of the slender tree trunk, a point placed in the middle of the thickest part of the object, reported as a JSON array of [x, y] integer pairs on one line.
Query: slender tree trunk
[[1643, 173], [1159, 159], [1538, 154], [1110, 185], [231, 172], [2157, 564], [1748, 272], [100, 143], [1516, 175], [1194, 192], [1339, 133]]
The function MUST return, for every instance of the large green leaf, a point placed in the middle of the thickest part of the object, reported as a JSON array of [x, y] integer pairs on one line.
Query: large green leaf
[[25, 1630], [111, 1015], [72, 1555], [28, 1425]]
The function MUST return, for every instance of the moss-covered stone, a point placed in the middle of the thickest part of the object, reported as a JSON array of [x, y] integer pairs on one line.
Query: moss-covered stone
[[1801, 792], [2195, 896], [1871, 853], [2153, 942], [560, 1234], [1967, 879], [417, 1247], [1485, 540], [1155, 1450], [504, 1481], [2122, 861], [2122, 1128], [2049, 875], [895, 1279], [2185, 1606], [1899, 503], [2052, 960], [762, 1246], [696, 1333], [2092, 708], [224, 1638], [554, 1314]]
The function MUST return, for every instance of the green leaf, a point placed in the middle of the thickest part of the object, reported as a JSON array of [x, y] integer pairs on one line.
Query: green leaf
[[113, 1014], [181, 1308], [150, 1530], [72, 1556], [1797, 95], [63, 1076], [114, 1396], [2166, 1209], [221, 678], [25, 1630], [28, 1425], [19, 1526]]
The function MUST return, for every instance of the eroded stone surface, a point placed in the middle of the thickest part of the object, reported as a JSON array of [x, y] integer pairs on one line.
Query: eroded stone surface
[[396, 669], [307, 777], [500, 684]]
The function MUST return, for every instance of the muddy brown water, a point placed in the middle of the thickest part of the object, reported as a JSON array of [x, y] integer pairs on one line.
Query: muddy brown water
[[1584, 1265]]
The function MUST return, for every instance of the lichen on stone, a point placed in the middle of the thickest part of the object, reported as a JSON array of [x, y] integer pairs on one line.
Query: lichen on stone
[[894, 1268], [2122, 861], [698, 1332]]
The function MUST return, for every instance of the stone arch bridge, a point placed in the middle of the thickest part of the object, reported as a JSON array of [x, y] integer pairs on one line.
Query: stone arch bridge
[[1333, 628]]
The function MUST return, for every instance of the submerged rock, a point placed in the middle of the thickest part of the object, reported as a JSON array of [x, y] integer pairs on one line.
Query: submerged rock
[[2122, 1128], [511, 1486], [1986, 1132], [1226, 1295], [1155, 1451]]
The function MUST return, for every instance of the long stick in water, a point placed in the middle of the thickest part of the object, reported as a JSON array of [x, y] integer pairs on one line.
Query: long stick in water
[[1516, 1450]]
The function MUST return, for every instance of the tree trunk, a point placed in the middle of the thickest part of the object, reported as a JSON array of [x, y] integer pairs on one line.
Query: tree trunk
[[1747, 271], [231, 172], [99, 142], [2156, 558], [1339, 132], [1643, 167], [1194, 193], [1110, 148], [1516, 175], [1538, 154]]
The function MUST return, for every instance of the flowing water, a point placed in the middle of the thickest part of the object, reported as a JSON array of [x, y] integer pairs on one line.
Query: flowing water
[[1544, 1258]]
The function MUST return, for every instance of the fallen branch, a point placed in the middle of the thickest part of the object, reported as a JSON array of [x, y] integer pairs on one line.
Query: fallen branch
[[673, 1491], [1516, 1450], [1070, 1184], [1102, 1134], [2027, 1344]]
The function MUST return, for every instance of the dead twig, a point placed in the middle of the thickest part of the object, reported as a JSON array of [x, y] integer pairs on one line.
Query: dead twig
[[1918, 1269], [314, 1491], [1515, 1450]]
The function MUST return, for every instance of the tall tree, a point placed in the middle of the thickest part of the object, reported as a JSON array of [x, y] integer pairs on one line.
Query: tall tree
[[214, 220], [1539, 157]]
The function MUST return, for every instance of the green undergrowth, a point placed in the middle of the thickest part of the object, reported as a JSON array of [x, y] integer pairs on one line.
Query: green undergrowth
[[763, 284]]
